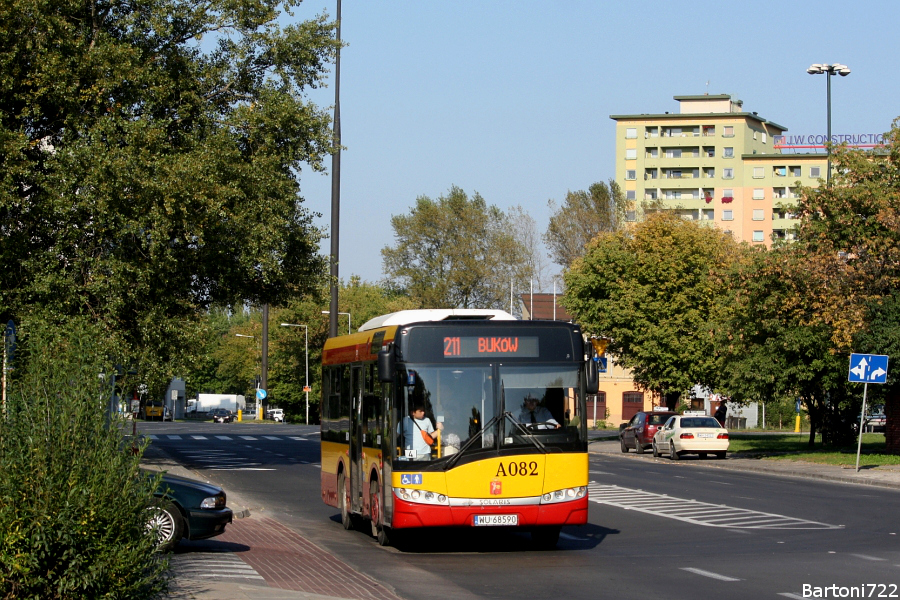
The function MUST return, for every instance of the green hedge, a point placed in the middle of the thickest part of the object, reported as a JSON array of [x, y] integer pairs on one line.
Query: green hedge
[[72, 502]]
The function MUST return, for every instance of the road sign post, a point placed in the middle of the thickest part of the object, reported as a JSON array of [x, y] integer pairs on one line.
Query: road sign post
[[866, 369]]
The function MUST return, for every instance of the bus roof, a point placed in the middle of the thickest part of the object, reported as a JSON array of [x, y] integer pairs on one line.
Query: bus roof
[[404, 317]]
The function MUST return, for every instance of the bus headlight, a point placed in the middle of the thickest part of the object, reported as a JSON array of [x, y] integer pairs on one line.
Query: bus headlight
[[421, 496], [564, 495]]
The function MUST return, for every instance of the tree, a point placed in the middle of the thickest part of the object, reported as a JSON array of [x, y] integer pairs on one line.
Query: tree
[[524, 227], [582, 216], [770, 344], [850, 235], [454, 252], [651, 291], [143, 179]]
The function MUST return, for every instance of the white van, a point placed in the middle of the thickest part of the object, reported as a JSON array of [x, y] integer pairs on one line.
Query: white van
[[276, 414]]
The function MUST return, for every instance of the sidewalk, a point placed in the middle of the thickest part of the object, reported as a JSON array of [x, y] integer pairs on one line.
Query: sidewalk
[[286, 565], [886, 476]]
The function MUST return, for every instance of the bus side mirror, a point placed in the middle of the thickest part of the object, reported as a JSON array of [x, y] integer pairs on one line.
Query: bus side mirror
[[592, 379], [386, 365]]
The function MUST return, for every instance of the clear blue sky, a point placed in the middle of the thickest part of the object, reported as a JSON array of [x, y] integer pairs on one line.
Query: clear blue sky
[[512, 99]]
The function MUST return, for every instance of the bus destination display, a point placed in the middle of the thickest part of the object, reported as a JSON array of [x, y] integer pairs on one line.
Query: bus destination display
[[484, 346]]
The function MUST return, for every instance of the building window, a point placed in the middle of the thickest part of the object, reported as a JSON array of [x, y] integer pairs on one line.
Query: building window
[[673, 153], [707, 214], [673, 194], [815, 172], [759, 194], [764, 137], [779, 171], [778, 193], [728, 152], [631, 174], [795, 172], [631, 133], [758, 214], [629, 194], [726, 193], [631, 154], [630, 216], [709, 130], [728, 215], [709, 151], [633, 397], [758, 173], [728, 131], [758, 236], [727, 173], [651, 132], [652, 152], [755, 134]]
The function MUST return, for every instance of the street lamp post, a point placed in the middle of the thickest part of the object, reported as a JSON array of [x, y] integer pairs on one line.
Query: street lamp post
[[258, 401], [328, 312], [306, 351], [828, 71]]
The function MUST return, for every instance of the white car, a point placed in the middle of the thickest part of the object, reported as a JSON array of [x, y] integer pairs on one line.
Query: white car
[[276, 414], [691, 434]]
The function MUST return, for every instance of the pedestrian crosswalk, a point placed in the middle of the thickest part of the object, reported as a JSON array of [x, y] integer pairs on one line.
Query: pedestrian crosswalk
[[211, 565], [228, 438], [698, 513]]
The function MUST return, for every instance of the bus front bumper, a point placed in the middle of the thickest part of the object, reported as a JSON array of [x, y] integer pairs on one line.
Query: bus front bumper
[[529, 512]]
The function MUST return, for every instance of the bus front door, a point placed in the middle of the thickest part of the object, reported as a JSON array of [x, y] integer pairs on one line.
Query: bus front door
[[356, 432]]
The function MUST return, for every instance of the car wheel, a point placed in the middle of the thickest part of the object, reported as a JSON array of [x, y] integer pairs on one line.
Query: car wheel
[[166, 521], [624, 447], [546, 537], [344, 501], [655, 450], [672, 454], [638, 446], [720, 455]]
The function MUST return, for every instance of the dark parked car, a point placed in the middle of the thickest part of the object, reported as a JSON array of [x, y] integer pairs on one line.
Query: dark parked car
[[189, 509], [221, 415], [638, 432]]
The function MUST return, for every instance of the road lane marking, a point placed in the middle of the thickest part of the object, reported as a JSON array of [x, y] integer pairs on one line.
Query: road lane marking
[[867, 557], [227, 438], [272, 437], [698, 513], [199, 437], [174, 437], [248, 437], [709, 574]]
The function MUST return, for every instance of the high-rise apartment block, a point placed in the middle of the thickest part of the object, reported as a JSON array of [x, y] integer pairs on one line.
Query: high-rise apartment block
[[713, 163]]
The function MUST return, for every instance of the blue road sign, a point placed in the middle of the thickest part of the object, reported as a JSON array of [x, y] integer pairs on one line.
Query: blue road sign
[[868, 368], [261, 394]]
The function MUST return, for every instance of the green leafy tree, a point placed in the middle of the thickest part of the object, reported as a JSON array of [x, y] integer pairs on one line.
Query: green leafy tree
[[850, 237], [145, 176], [73, 501], [770, 343], [582, 216], [651, 291], [455, 252]]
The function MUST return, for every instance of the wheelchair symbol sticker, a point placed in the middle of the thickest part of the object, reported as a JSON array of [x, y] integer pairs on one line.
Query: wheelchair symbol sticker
[[411, 479]]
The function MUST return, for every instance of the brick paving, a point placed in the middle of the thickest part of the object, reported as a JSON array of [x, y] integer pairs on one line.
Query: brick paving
[[287, 560]]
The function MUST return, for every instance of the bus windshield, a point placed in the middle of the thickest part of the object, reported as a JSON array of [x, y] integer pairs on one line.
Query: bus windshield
[[459, 400]]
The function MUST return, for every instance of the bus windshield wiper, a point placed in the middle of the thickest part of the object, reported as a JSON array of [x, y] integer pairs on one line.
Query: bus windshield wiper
[[507, 415], [523, 431], [480, 435]]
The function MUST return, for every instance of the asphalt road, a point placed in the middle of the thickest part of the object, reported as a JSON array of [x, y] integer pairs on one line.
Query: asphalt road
[[657, 529]]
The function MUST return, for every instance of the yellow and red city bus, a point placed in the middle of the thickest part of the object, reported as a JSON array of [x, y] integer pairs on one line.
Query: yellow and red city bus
[[488, 465]]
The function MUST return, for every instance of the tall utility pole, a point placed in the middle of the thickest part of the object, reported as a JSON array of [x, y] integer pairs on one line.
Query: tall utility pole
[[336, 185], [264, 368]]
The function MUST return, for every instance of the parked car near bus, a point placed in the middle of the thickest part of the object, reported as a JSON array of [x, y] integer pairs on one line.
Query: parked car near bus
[[691, 434], [189, 509], [639, 431]]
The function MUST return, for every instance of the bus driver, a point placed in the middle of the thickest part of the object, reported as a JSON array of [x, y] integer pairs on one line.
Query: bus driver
[[532, 413]]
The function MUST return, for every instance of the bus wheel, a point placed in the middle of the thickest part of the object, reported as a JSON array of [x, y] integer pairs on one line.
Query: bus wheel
[[546, 537], [378, 531], [344, 500]]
